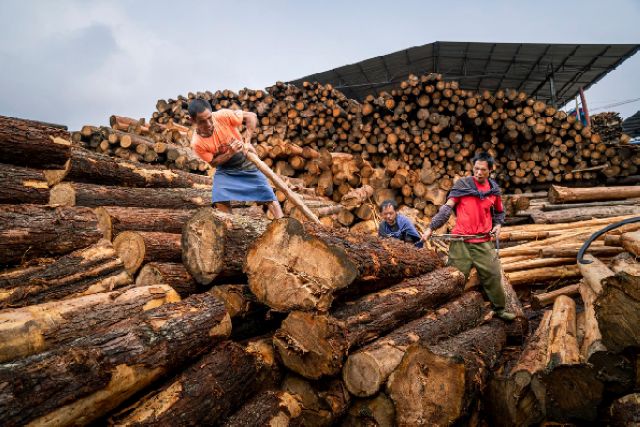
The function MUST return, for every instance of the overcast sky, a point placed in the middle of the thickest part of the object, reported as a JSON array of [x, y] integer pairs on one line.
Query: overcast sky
[[77, 62]]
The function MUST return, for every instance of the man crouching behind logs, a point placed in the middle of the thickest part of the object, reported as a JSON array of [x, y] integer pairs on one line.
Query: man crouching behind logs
[[479, 214]]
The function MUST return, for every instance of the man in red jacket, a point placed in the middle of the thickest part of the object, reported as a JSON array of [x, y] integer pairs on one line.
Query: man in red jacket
[[479, 213]]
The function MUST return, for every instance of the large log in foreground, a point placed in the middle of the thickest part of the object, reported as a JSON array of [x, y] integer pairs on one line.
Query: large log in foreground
[[366, 370], [314, 345], [291, 267], [27, 144], [618, 312], [85, 380], [206, 392], [33, 329], [33, 231], [83, 272], [79, 194], [215, 244], [457, 370], [116, 219]]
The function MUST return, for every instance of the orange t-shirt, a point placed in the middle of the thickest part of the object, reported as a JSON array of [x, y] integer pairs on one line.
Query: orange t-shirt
[[226, 125]]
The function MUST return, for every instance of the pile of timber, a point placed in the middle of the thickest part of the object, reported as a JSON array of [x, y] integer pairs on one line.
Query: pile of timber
[[139, 146], [609, 126]]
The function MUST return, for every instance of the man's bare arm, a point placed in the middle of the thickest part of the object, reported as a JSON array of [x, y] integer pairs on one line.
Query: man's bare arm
[[251, 123]]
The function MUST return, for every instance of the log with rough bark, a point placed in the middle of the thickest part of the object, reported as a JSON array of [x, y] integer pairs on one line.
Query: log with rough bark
[[137, 247], [269, 408], [631, 242], [23, 185], [625, 411], [310, 264], [169, 273], [33, 231], [618, 311], [79, 194], [28, 144], [614, 370], [91, 167], [458, 370], [375, 411], [627, 263], [357, 197], [94, 269], [208, 391], [558, 194], [536, 263], [583, 214], [116, 219], [544, 299], [314, 345], [36, 328], [366, 370], [91, 376], [571, 390], [215, 244], [323, 402]]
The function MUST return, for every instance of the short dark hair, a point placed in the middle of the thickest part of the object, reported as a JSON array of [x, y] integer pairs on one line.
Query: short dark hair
[[483, 157], [197, 106], [388, 203]]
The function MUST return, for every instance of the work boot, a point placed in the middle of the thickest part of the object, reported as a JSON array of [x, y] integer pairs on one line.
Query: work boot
[[505, 315]]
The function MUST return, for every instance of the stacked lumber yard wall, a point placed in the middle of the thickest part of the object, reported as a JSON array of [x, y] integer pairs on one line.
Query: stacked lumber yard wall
[[126, 299]]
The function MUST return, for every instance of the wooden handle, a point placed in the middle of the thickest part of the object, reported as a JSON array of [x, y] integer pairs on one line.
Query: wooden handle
[[282, 186]]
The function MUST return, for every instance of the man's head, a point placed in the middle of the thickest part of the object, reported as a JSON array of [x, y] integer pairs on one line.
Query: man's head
[[482, 166], [388, 211], [200, 113]]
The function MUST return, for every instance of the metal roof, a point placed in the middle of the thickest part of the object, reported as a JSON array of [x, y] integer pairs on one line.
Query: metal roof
[[631, 126], [529, 67]]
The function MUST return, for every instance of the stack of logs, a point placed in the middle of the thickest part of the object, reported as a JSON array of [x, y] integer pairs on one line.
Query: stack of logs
[[133, 140], [609, 126], [122, 303]]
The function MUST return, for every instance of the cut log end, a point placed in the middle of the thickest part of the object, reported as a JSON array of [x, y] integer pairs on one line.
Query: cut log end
[[131, 249], [203, 246], [62, 195], [363, 375], [289, 268]]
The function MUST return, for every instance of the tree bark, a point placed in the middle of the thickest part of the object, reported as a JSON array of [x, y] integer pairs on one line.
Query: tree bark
[[625, 411], [206, 392], [34, 329], [269, 408], [311, 264], [536, 263], [169, 273], [357, 197], [314, 345], [458, 370], [137, 247], [94, 168], [376, 411], [617, 309], [558, 194], [28, 144], [627, 263], [367, 369], [544, 274], [117, 219], [23, 185], [215, 244], [91, 376], [91, 270], [32, 231], [583, 214], [323, 402], [78, 194]]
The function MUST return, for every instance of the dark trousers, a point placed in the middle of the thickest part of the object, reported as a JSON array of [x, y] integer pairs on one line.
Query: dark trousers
[[484, 258]]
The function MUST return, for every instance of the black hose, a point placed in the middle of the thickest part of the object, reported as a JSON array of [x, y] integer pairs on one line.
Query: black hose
[[599, 233]]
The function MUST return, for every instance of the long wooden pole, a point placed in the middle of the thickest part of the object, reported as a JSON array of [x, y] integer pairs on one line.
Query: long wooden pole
[[282, 186]]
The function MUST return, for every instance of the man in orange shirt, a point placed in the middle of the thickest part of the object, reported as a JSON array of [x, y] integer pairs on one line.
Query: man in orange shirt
[[217, 141]]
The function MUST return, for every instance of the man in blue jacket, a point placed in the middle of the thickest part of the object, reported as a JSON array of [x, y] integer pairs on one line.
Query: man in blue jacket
[[397, 225]]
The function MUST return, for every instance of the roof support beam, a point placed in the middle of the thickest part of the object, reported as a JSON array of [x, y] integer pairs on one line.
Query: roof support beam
[[489, 57], [579, 74], [558, 68], [535, 65], [513, 61]]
